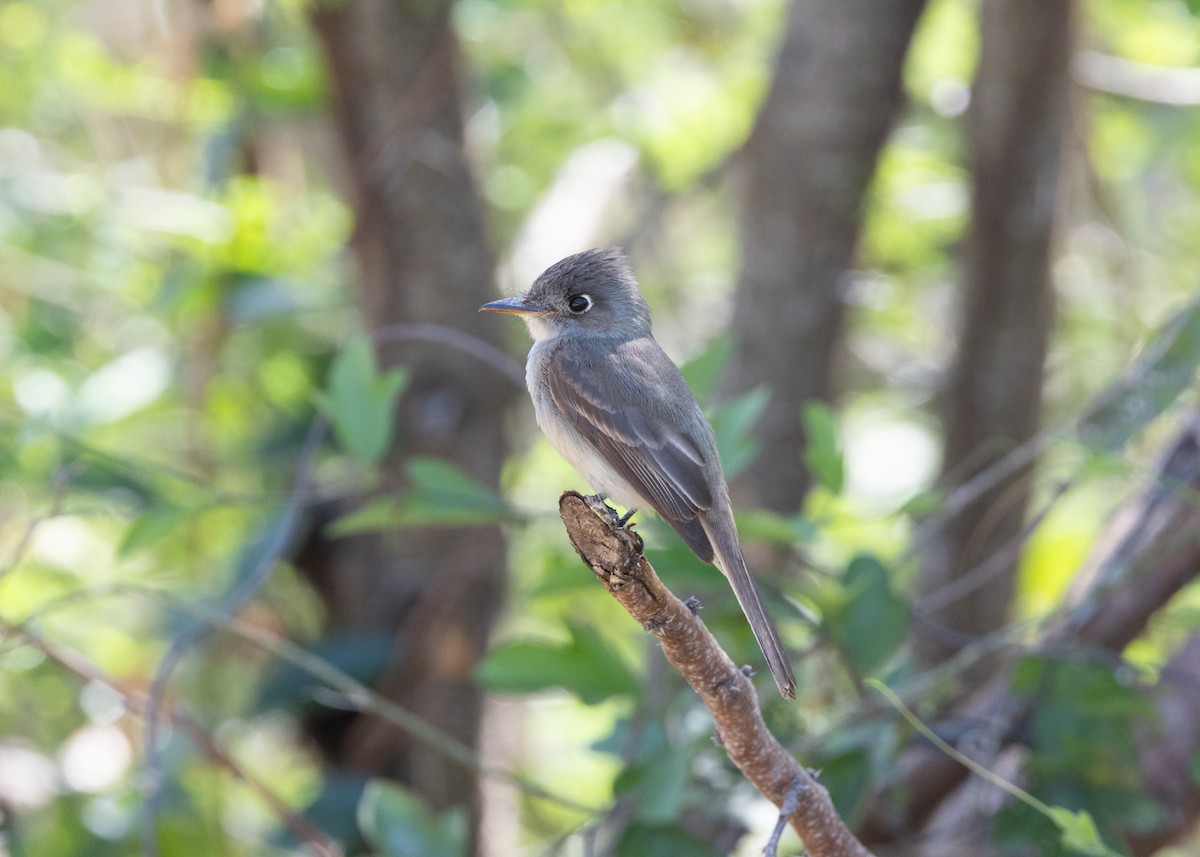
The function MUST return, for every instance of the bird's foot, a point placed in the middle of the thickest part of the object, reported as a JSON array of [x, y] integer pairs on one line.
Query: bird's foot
[[598, 503]]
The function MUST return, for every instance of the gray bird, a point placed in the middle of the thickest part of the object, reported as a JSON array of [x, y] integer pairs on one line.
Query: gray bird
[[614, 405]]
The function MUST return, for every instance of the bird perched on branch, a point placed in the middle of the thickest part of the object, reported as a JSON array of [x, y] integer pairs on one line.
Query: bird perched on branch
[[613, 404]]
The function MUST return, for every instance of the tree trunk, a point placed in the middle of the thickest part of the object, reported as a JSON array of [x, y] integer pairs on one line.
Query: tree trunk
[[835, 94], [422, 256], [1017, 125]]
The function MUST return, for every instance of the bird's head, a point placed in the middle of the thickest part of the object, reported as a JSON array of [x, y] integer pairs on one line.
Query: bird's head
[[590, 293]]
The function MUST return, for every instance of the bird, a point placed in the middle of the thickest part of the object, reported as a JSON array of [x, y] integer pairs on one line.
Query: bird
[[617, 408]]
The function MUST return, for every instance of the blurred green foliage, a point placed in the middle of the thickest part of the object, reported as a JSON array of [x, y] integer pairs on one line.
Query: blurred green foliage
[[396, 824], [176, 299]]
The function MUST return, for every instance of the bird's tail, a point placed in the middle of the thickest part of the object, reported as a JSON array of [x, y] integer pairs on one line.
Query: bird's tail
[[729, 558]]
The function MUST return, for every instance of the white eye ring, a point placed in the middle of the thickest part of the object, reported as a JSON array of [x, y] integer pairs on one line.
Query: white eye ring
[[579, 304]]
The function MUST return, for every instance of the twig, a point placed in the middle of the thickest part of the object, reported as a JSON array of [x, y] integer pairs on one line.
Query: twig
[[615, 557], [362, 698], [355, 694], [62, 479], [1155, 556], [241, 592], [316, 839], [1158, 84], [985, 571], [460, 340], [785, 812]]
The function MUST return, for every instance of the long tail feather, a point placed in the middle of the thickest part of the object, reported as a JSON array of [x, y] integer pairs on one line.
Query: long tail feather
[[729, 558]]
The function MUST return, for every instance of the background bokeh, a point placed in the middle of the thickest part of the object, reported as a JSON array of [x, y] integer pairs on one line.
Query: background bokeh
[[251, 427]]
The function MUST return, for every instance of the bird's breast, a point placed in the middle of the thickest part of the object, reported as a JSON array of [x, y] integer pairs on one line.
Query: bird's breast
[[569, 441]]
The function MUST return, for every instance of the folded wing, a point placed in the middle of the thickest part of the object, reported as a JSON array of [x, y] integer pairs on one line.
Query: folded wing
[[616, 403]]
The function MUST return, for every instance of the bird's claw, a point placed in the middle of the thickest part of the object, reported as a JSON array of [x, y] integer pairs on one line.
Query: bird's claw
[[598, 503]]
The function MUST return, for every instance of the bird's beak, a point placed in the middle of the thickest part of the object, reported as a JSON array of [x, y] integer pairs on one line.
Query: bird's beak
[[519, 304]]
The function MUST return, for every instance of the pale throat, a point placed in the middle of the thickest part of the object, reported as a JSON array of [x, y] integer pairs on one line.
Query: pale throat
[[539, 328]]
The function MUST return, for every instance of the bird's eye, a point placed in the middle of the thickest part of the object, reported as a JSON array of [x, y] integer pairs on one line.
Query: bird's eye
[[579, 304]]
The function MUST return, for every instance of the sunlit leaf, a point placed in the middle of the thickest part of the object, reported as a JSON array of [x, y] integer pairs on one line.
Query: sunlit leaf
[[1079, 832]]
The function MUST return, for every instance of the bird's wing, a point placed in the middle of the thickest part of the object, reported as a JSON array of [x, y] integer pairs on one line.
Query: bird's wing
[[622, 405]]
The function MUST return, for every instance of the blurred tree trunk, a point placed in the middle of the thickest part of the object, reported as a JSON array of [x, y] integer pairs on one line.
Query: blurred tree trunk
[[835, 93], [1017, 125], [422, 255]]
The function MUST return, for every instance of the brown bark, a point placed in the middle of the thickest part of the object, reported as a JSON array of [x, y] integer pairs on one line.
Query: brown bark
[[423, 258], [1168, 756], [1017, 126], [615, 557], [835, 94]]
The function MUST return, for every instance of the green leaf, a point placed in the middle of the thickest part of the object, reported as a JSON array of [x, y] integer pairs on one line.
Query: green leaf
[[333, 810], [657, 783], [1079, 832], [767, 526], [846, 775], [869, 621], [382, 513], [661, 840], [822, 452], [398, 824], [586, 666], [440, 493], [362, 655], [361, 402], [151, 528], [702, 371], [1165, 371], [923, 503], [731, 423]]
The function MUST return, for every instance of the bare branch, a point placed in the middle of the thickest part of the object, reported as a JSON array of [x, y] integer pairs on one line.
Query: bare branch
[[318, 842], [445, 336], [615, 556], [241, 592], [1159, 84], [1167, 757], [1154, 553]]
